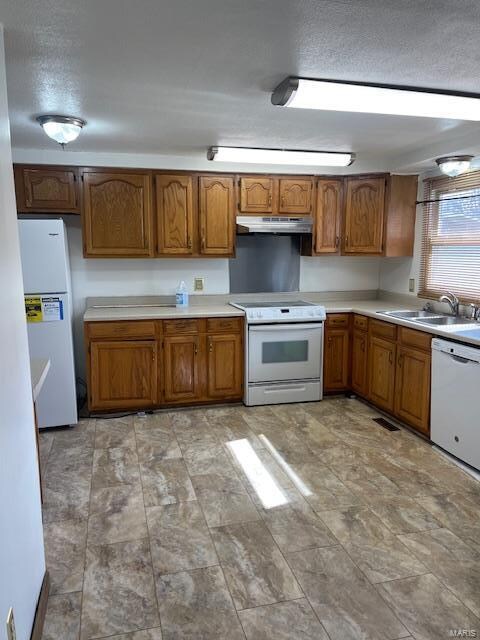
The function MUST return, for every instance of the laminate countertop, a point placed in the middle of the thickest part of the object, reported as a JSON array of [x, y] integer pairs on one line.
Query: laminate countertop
[[467, 334]]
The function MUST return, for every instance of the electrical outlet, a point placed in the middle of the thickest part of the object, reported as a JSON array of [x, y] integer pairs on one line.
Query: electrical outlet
[[198, 284], [11, 634], [411, 285]]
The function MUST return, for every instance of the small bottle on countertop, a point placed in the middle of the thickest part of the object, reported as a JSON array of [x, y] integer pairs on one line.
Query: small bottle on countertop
[[181, 295]]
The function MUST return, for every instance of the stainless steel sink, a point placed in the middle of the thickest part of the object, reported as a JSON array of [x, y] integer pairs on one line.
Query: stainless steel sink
[[410, 315], [444, 320]]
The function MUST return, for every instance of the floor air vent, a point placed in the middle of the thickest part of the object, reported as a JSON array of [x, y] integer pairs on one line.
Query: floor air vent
[[386, 424]]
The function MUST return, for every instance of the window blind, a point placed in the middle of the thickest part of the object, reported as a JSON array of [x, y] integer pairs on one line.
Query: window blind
[[451, 237]]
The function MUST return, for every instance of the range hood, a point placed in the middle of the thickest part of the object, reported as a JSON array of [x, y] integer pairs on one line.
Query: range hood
[[276, 224]]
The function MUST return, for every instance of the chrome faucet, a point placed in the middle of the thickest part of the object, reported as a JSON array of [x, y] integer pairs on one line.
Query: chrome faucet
[[452, 301]]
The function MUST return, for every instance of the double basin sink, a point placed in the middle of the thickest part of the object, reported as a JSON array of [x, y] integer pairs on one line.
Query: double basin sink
[[455, 324]]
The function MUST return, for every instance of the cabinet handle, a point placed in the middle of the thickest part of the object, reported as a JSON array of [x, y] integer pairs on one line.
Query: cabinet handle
[[269, 199], [329, 340], [283, 201], [189, 244], [210, 347], [195, 349], [390, 358], [153, 356], [363, 345], [337, 242], [346, 241], [400, 360]]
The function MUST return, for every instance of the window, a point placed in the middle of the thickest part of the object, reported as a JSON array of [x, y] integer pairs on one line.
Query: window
[[451, 237]]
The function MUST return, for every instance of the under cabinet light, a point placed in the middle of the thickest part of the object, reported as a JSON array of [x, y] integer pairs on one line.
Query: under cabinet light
[[329, 95], [280, 156]]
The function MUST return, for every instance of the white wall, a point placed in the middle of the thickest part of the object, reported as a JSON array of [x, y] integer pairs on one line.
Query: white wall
[[339, 273], [22, 562]]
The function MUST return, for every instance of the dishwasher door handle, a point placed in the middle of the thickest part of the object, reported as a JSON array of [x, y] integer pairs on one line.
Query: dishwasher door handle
[[461, 359]]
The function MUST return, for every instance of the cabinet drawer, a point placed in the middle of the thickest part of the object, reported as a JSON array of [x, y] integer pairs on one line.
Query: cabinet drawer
[[222, 325], [360, 322], [337, 320], [137, 329], [383, 330], [413, 338], [175, 327]]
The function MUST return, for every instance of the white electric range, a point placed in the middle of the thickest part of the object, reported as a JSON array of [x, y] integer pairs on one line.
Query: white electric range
[[283, 351]]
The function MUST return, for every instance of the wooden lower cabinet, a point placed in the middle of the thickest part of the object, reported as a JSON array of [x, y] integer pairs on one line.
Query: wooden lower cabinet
[[224, 366], [360, 363], [381, 364], [181, 370], [123, 374], [336, 359], [146, 364], [412, 388]]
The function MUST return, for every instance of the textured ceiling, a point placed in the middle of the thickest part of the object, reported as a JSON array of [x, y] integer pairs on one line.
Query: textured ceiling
[[174, 77]]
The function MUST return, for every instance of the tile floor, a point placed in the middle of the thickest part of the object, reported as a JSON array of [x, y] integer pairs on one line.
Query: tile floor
[[304, 521]]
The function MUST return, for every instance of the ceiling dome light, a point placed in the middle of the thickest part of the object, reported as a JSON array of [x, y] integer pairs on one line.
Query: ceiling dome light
[[454, 165], [62, 129]]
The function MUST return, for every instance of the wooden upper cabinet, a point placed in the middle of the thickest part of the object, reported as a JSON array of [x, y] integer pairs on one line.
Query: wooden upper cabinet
[[401, 212], [117, 214], [412, 388], [174, 199], [216, 215], [224, 366], [123, 373], [381, 354], [364, 215], [46, 190], [327, 216], [257, 195], [181, 373], [295, 196]]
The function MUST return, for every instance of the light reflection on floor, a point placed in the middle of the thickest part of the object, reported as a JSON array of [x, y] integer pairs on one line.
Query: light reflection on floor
[[258, 475], [294, 477]]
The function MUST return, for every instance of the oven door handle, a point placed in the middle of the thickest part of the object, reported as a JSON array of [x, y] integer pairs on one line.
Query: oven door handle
[[312, 326]]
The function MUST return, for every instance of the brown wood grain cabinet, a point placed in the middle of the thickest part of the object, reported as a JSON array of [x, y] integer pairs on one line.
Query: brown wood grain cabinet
[[359, 379], [295, 196], [381, 364], [117, 214], [123, 374], [216, 215], [336, 360], [46, 189], [152, 363], [412, 387], [364, 215], [224, 366], [175, 214], [257, 194], [181, 368], [328, 217]]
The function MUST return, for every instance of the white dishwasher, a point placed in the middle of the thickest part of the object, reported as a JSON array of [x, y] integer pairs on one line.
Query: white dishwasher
[[455, 420]]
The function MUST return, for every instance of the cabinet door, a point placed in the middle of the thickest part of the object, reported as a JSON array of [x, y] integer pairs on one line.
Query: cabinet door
[[364, 215], [46, 190], [224, 366], [123, 374], [117, 214], [174, 214], [327, 216], [360, 363], [336, 360], [217, 214], [257, 195], [295, 196], [412, 388], [381, 354], [181, 368]]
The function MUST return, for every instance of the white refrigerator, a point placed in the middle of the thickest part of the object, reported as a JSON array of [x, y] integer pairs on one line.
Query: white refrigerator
[[48, 307]]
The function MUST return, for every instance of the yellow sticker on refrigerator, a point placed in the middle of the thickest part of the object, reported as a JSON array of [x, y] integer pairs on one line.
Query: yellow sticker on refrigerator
[[43, 308]]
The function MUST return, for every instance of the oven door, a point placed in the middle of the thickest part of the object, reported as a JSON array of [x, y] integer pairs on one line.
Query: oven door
[[285, 352]]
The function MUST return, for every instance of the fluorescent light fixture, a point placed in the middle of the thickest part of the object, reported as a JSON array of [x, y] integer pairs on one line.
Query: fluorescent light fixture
[[454, 165], [62, 129], [362, 98], [280, 156], [261, 480]]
